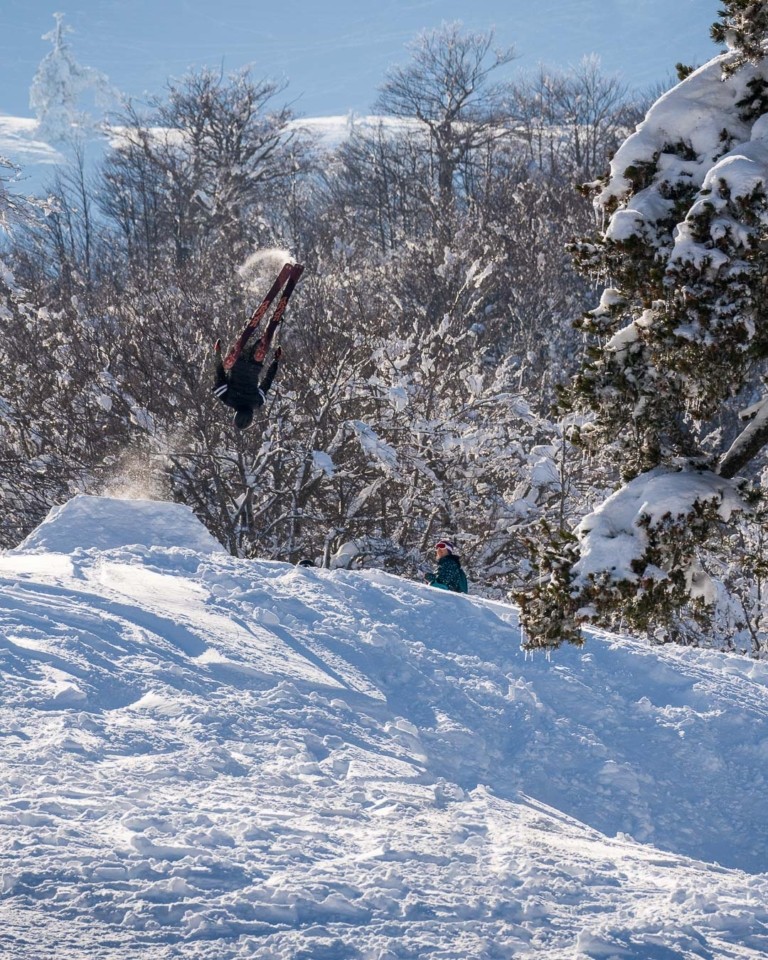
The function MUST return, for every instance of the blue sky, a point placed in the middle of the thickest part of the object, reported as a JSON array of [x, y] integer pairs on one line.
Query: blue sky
[[335, 54]]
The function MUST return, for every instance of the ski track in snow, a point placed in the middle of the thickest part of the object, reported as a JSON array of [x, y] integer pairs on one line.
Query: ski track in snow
[[211, 758]]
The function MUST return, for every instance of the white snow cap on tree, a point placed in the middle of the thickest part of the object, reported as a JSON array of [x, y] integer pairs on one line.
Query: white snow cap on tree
[[614, 538], [59, 86]]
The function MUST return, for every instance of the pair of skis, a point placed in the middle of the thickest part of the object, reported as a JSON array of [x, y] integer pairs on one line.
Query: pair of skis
[[286, 281]]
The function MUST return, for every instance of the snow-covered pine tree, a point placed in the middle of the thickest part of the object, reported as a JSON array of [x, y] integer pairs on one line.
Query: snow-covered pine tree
[[679, 343], [59, 87], [742, 28]]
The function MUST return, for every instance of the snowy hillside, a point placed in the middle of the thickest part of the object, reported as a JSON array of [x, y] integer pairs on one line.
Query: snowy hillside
[[204, 757], [38, 161], [35, 160]]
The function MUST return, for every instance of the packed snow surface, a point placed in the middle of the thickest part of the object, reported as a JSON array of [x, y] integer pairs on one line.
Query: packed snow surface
[[206, 757]]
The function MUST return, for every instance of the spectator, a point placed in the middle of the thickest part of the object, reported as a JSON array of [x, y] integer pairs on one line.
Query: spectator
[[449, 574]]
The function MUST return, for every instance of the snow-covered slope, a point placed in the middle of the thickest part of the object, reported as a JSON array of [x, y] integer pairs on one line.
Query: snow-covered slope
[[19, 143], [204, 757], [38, 161], [35, 160]]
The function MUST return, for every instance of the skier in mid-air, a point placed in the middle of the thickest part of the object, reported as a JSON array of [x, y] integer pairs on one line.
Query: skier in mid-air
[[238, 381]]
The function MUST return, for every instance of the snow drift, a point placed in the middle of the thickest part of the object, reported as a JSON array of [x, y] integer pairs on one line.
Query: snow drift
[[204, 757]]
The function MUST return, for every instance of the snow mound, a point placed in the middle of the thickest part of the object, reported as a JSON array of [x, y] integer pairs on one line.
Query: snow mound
[[106, 523]]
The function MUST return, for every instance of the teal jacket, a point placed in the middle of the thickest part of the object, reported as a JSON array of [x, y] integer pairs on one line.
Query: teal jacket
[[449, 575]]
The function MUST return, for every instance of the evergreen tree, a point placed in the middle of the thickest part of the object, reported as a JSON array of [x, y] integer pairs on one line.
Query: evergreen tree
[[743, 27], [678, 346]]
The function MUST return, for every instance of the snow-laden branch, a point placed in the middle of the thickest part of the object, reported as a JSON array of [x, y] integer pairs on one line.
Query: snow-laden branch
[[624, 538], [749, 442]]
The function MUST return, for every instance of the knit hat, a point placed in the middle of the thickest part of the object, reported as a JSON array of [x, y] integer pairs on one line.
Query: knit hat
[[243, 418], [446, 544]]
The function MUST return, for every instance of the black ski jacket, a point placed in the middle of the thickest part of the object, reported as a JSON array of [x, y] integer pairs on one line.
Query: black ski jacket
[[239, 387]]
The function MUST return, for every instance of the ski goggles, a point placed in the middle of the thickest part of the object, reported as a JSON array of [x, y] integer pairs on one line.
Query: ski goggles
[[443, 545]]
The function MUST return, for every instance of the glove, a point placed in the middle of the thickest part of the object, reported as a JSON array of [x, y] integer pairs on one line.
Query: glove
[[217, 347]]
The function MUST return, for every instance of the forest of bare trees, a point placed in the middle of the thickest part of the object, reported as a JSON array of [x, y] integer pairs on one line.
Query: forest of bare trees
[[423, 351]]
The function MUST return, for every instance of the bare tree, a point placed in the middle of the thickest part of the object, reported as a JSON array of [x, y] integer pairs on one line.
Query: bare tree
[[449, 87], [192, 172], [571, 121]]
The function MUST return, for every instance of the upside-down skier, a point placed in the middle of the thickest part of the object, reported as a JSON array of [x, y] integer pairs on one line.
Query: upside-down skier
[[238, 381]]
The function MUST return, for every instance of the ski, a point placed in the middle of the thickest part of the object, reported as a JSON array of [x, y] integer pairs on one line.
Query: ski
[[258, 314], [266, 339]]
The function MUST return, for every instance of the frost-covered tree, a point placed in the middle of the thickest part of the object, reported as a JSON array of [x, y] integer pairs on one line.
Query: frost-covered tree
[[572, 120], [196, 174], [450, 87], [675, 386], [57, 428], [12, 206], [24, 488], [60, 86]]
